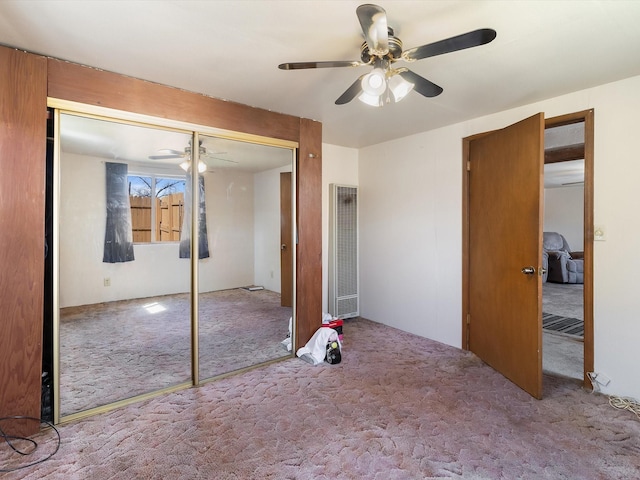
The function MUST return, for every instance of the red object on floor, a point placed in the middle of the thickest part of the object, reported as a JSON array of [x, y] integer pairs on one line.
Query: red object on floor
[[336, 325]]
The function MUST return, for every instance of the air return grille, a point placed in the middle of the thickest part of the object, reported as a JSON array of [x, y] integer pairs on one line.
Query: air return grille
[[343, 251]]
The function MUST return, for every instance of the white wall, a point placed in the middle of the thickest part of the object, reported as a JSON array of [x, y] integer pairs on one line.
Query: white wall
[[339, 165], [564, 213], [410, 233], [157, 270], [410, 227], [230, 229]]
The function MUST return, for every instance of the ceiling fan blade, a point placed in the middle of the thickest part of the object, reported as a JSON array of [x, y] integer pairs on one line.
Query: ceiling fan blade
[[171, 151], [352, 92], [221, 159], [167, 153], [421, 85], [303, 65], [373, 20], [453, 44], [164, 157]]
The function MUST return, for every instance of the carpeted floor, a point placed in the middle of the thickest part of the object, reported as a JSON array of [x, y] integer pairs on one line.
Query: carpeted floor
[[399, 406], [561, 354], [564, 299], [146, 346], [117, 350]]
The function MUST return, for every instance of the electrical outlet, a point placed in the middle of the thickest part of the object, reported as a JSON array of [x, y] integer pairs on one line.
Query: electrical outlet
[[107, 282], [599, 234]]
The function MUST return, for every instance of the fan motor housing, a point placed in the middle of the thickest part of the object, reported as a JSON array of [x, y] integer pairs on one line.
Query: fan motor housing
[[395, 48]]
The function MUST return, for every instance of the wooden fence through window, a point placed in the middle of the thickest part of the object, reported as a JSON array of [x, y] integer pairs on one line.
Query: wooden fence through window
[[168, 222]]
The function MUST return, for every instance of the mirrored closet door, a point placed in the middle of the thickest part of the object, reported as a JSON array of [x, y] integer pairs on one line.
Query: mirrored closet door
[[243, 319], [128, 221], [124, 309]]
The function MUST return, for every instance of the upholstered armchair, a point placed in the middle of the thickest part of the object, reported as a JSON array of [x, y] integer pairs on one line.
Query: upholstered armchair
[[562, 265]]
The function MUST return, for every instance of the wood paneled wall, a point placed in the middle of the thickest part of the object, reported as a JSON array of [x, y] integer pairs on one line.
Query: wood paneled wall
[[23, 130], [69, 81], [309, 252], [25, 82]]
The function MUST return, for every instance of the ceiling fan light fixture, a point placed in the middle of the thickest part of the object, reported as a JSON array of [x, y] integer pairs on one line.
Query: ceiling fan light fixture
[[186, 165], [381, 48], [373, 100], [375, 83], [399, 87]]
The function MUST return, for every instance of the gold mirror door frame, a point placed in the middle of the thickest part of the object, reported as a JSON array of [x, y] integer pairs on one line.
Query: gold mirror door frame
[[239, 274], [156, 295]]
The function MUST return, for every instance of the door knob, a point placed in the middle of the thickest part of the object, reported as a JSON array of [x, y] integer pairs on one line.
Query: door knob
[[283, 246], [528, 270]]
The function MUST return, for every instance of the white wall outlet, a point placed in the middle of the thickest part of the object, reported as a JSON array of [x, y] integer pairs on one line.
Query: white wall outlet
[[599, 234], [107, 282]]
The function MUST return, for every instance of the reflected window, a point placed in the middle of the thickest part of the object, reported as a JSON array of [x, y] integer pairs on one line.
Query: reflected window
[[157, 208]]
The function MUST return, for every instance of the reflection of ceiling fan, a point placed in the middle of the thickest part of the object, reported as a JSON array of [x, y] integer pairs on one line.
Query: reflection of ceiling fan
[[381, 49], [167, 153]]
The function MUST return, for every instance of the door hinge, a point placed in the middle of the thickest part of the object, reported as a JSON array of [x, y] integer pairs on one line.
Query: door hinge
[[468, 165]]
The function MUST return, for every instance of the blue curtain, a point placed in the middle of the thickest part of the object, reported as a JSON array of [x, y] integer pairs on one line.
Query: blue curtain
[[185, 234], [118, 237]]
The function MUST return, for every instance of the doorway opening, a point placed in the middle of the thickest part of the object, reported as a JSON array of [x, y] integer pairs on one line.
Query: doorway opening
[[568, 211], [499, 167]]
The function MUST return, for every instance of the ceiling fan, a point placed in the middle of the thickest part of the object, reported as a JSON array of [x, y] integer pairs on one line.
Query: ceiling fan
[[381, 49], [168, 153]]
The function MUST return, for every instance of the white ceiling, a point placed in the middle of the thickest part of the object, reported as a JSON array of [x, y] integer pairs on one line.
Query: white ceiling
[[135, 144], [231, 49]]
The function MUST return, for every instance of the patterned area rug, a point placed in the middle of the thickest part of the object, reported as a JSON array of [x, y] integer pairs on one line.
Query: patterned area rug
[[565, 325]]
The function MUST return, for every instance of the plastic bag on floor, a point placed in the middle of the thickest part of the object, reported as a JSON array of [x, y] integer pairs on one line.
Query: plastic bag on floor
[[315, 351]]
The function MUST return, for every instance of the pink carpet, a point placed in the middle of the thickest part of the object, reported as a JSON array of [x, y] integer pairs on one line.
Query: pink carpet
[[397, 407]]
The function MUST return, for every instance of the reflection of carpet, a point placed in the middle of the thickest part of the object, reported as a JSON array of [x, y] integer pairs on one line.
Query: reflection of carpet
[[560, 324], [116, 350]]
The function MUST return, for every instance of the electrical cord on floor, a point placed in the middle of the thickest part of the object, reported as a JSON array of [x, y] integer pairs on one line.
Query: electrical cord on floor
[[624, 403], [621, 403], [33, 445]]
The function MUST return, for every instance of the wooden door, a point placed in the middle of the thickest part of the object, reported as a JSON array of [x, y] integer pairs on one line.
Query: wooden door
[[286, 238], [505, 188]]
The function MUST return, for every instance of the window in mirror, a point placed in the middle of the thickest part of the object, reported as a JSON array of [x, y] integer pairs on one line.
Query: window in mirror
[[157, 208]]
